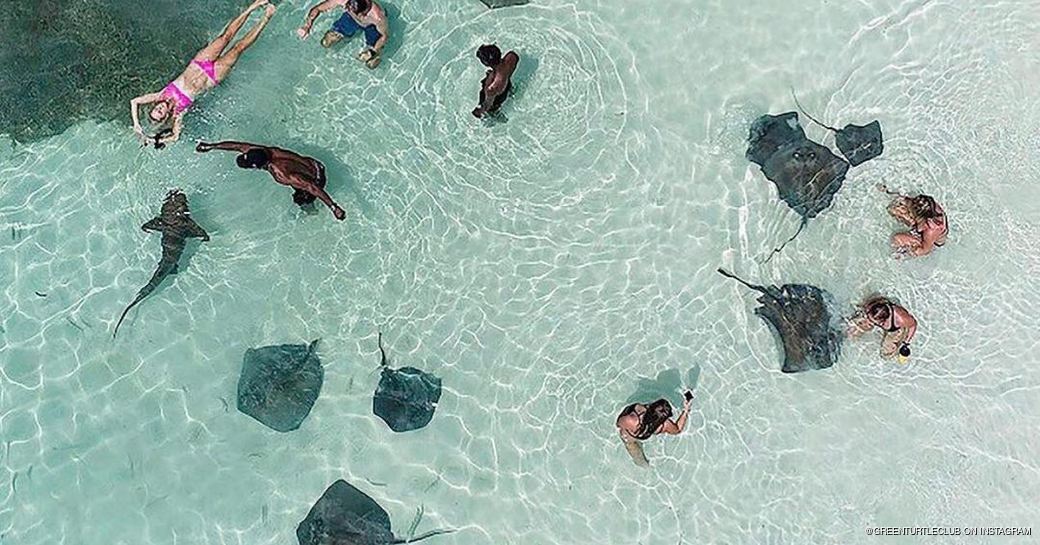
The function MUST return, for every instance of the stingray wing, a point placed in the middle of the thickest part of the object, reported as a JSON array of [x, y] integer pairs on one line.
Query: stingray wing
[[807, 176], [860, 144], [770, 133], [345, 515], [280, 384], [807, 329], [406, 398]]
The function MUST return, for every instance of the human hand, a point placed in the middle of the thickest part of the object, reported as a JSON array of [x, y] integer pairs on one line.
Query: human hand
[[303, 32], [203, 147], [339, 213], [478, 112]]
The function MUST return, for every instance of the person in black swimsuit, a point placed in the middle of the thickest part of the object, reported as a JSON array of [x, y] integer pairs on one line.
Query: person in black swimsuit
[[638, 422], [898, 325], [497, 83]]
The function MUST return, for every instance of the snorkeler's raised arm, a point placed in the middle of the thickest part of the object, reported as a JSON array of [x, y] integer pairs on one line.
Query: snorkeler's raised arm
[[911, 329], [136, 103], [227, 145], [677, 427], [313, 14], [299, 182]]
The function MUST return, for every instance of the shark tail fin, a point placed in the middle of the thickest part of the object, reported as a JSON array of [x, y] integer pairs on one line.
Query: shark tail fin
[[140, 296]]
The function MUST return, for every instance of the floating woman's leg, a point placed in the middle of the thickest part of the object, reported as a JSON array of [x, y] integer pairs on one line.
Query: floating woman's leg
[[227, 61], [216, 47]]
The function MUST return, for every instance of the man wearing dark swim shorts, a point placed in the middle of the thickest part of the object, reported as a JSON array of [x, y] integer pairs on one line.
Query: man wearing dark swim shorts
[[359, 15], [305, 175]]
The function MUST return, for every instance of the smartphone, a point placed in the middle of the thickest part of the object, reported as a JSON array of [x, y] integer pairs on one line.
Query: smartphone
[[688, 395]]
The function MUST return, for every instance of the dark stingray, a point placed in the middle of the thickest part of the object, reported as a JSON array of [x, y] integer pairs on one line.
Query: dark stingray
[[344, 515], [806, 174], [504, 3], [279, 384], [405, 398], [858, 143], [800, 314]]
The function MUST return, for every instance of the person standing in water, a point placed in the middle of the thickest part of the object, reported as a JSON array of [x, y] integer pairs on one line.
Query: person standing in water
[[927, 222], [896, 323], [209, 67], [639, 422], [304, 174], [360, 15], [496, 85]]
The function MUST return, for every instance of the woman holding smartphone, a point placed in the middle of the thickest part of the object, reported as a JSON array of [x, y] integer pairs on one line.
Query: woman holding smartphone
[[638, 422]]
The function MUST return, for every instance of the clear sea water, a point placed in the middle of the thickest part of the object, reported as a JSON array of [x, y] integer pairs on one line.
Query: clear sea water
[[547, 268]]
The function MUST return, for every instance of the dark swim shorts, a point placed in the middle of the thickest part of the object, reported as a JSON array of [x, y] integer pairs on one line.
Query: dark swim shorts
[[347, 26]]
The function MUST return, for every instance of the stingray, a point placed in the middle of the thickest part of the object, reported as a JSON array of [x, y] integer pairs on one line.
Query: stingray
[[800, 315], [858, 143], [279, 384], [503, 3], [405, 398], [345, 515], [806, 174]]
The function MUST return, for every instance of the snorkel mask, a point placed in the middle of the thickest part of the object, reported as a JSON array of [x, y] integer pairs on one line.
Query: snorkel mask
[[904, 354]]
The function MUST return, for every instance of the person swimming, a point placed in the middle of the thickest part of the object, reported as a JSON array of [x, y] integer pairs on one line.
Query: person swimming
[[304, 174], [926, 219], [639, 422], [497, 83], [360, 15], [209, 67], [898, 326]]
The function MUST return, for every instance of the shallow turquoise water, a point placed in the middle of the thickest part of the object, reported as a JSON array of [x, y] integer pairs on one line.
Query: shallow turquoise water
[[541, 267]]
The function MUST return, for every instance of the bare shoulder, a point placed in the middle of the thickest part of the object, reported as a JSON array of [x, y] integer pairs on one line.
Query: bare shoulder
[[377, 13], [511, 60]]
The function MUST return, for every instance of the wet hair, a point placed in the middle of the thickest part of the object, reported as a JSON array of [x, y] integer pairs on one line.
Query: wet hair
[[657, 413], [360, 6], [925, 206], [489, 55], [879, 310], [254, 158], [302, 198], [904, 350]]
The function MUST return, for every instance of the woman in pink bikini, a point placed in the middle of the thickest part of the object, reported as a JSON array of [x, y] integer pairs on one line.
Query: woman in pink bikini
[[209, 67]]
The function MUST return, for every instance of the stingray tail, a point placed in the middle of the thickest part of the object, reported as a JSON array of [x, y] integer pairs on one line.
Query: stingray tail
[[423, 536], [728, 274], [382, 353], [814, 120], [794, 236]]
